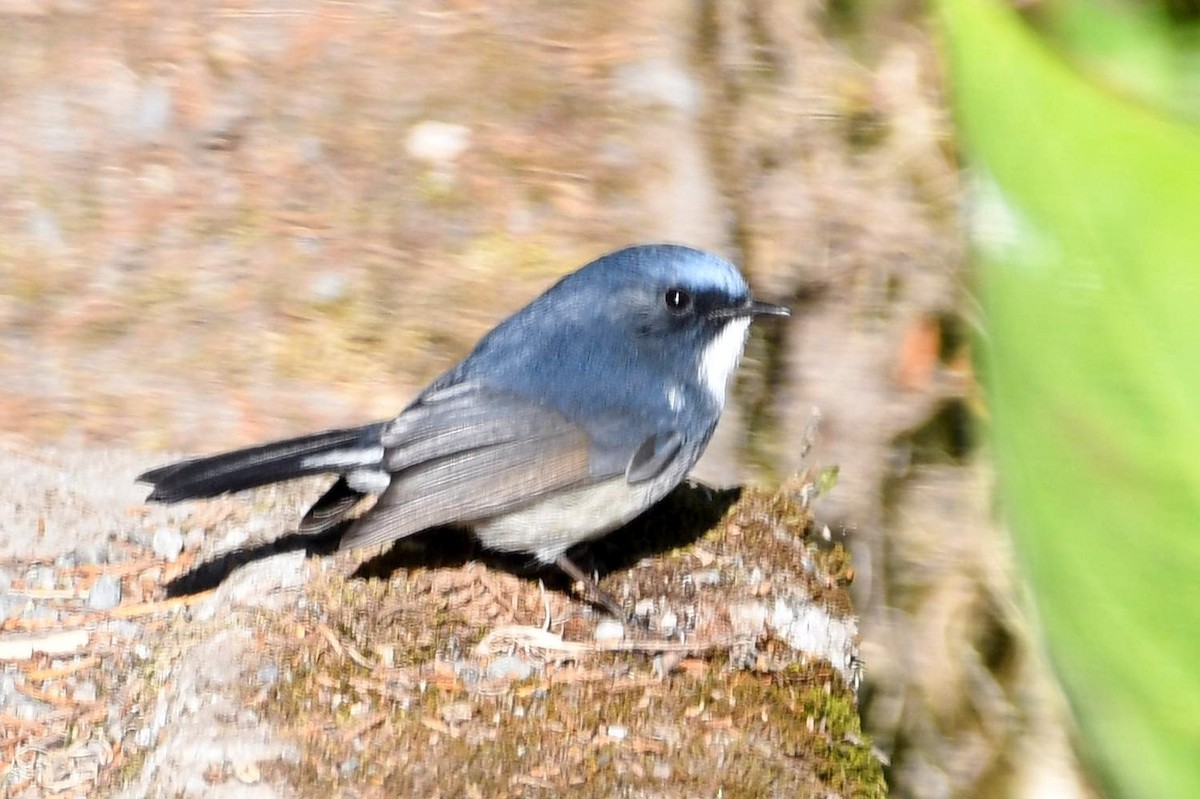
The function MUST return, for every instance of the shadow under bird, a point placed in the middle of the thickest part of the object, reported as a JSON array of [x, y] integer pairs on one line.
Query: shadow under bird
[[567, 420]]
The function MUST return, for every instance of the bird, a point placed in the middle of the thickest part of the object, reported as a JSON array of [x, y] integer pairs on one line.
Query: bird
[[570, 418]]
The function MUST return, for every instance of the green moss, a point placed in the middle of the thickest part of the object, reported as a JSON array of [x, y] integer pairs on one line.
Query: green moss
[[428, 721]]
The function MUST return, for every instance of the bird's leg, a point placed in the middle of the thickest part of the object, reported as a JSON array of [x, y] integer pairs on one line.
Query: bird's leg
[[591, 589]]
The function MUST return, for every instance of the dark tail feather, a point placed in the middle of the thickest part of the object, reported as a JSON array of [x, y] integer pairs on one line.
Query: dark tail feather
[[330, 510], [331, 451]]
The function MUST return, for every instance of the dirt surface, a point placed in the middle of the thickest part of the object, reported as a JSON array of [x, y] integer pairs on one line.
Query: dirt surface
[[224, 223], [241, 661]]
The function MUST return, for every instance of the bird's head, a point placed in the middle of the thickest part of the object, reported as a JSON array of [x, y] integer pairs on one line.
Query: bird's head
[[677, 305]]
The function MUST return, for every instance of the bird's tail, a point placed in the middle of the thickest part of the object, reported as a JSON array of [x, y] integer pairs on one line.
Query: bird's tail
[[333, 451]]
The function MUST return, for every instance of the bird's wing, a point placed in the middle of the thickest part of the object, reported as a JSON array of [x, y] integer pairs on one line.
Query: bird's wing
[[467, 453]]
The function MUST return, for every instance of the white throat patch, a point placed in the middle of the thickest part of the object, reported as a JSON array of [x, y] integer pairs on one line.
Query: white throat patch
[[720, 357]]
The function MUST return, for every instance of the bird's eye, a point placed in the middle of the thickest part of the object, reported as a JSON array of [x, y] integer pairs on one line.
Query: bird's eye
[[677, 300]]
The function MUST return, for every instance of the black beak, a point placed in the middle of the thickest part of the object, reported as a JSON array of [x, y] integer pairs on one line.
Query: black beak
[[757, 308], [751, 308]]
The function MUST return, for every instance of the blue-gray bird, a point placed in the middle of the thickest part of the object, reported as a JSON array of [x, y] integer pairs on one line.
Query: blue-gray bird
[[570, 418]]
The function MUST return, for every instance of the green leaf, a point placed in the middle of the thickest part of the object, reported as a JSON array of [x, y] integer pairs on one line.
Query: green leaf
[[1086, 222]]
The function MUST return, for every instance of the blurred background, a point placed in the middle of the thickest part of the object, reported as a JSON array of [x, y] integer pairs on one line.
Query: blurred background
[[223, 222]]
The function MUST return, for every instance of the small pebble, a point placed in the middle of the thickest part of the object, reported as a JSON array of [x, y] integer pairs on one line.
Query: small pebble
[[92, 554], [161, 716], [457, 712], [329, 287], [609, 630], [11, 608], [348, 766], [105, 593], [663, 664], [194, 539], [153, 111], [467, 671], [44, 228], [387, 654], [167, 543], [509, 667], [124, 628], [618, 732], [644, 607], [40, 577], [29, 709], [247, 773], [668, 622], [5, 582], [85, 692], [437, 142], [262, 582], [140, 536], [234, 539], [36, 611], [747, 618], [706, 577], [268, 674]]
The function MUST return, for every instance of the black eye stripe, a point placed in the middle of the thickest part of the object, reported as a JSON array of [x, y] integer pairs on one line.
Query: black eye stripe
[[677, 300]]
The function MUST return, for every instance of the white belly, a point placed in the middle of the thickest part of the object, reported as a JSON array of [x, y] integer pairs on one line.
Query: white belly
[[551, 527]]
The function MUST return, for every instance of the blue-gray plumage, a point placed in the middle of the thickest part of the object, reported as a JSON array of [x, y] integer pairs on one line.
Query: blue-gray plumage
[[568, 419]]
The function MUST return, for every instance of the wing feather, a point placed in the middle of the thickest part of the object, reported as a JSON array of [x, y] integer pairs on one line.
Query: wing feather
[[451, 423], [468, 457]]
